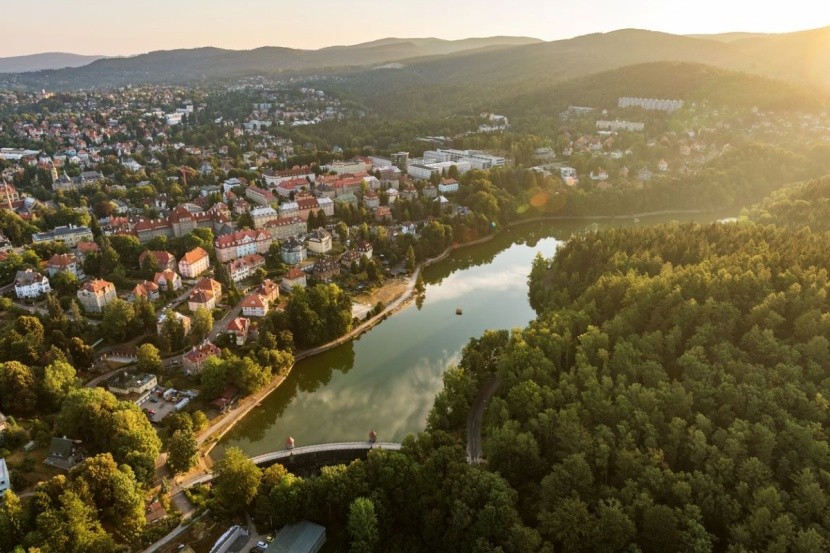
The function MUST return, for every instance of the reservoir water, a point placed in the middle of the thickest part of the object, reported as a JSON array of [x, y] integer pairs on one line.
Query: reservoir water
[[387, 379]]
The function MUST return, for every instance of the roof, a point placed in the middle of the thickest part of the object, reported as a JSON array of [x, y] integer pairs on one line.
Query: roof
[[233, 239], [206, 283], [201, 352], [254, 300], [201, 296], [301, 537], [239, 324], [61, 448], [162, 258], [195, 255], [27, 277], [61, 260], [294, 274]]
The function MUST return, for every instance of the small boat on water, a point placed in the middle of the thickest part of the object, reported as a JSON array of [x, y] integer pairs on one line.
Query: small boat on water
[[458, 311]]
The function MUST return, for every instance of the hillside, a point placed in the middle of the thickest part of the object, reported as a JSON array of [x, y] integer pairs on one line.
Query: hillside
[[467, 81], [39, 62], [186, 65], [802, 205]]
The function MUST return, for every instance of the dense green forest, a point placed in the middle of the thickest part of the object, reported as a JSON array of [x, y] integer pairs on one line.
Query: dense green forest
[[801, 205]]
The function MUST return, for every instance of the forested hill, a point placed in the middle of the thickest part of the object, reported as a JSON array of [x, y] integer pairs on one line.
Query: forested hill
[[801, 205], [197, 64], [672, 395]]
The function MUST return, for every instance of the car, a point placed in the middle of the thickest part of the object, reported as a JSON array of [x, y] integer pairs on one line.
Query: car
[[262, 545], [269, 538], [154, 400]]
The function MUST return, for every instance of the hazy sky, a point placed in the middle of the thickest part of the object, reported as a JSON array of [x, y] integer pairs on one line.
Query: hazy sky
[[120, 27]]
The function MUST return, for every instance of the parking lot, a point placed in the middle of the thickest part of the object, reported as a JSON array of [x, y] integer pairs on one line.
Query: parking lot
[[158, 408]]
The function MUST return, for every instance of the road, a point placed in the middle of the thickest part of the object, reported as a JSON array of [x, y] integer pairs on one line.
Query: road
[[475, 418]]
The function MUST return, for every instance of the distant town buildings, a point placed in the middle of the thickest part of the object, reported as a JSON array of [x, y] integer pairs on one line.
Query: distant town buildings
[[650, 104]]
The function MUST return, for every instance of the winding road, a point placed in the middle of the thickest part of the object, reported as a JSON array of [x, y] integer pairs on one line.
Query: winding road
[[475, 418]]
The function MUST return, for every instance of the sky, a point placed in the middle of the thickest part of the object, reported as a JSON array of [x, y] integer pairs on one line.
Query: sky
[[120, 27]]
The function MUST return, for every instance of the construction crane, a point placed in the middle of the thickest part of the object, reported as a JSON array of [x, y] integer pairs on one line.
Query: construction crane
[[185, 170]]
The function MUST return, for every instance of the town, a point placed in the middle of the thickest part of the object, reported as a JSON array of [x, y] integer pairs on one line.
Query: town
[[175, 249]]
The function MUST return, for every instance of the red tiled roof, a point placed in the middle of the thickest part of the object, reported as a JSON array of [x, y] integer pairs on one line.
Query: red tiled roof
[[195, 255]]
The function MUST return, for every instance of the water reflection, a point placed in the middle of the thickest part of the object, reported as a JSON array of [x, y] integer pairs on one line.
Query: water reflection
[[388, 378]]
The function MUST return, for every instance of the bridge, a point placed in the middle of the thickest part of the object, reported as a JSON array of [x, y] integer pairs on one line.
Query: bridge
[[309, 458]]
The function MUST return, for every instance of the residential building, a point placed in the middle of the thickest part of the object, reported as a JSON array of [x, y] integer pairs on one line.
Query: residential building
[[651, 104], [86, 248], [96, 294], [400, 160], [259, 196], [201, 298], [147, 229], [245, 267], [326, 205], [262, 215], [194, 263], [5, 481], [325, 269], [383, 214], [269, 290], [69, 235], [242, 243], [127, 383], [293, 186], [448, 186], [281, 229], [63, 453], [295, 277], [254, 305], [319, 241], [30, 284], [164, 260], [289, 210], [167, 279], [365, 248], [238, 328], [194, 360], [183, 319], [209, 285], [618, 125], [274, 178], [146, 289], [293, 251]]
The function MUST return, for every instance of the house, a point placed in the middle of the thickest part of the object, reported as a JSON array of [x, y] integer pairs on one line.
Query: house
[[295, 277], [30, 284], [274, 178], [365, 248], [254, 305], [319, 241], [371, 200], [383, 214], [194, 263], [287, 187], [183, 319], [209, 285], [391, 195], [326, 205], [238, 328], [285, 228], [201, 298], [70, 235], [164, 260], [245, 267], [289, 210], [293, 251], [326, 269], [148, 290], [262, 215], [147, 229], [136, 387], [63, 453], [259, 196], [167, 278], [242, 243], [96, 294], [194, 360], [448, 186], [86, 248], [226, 399], [5, 481], [269, 290], [64, 263]]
